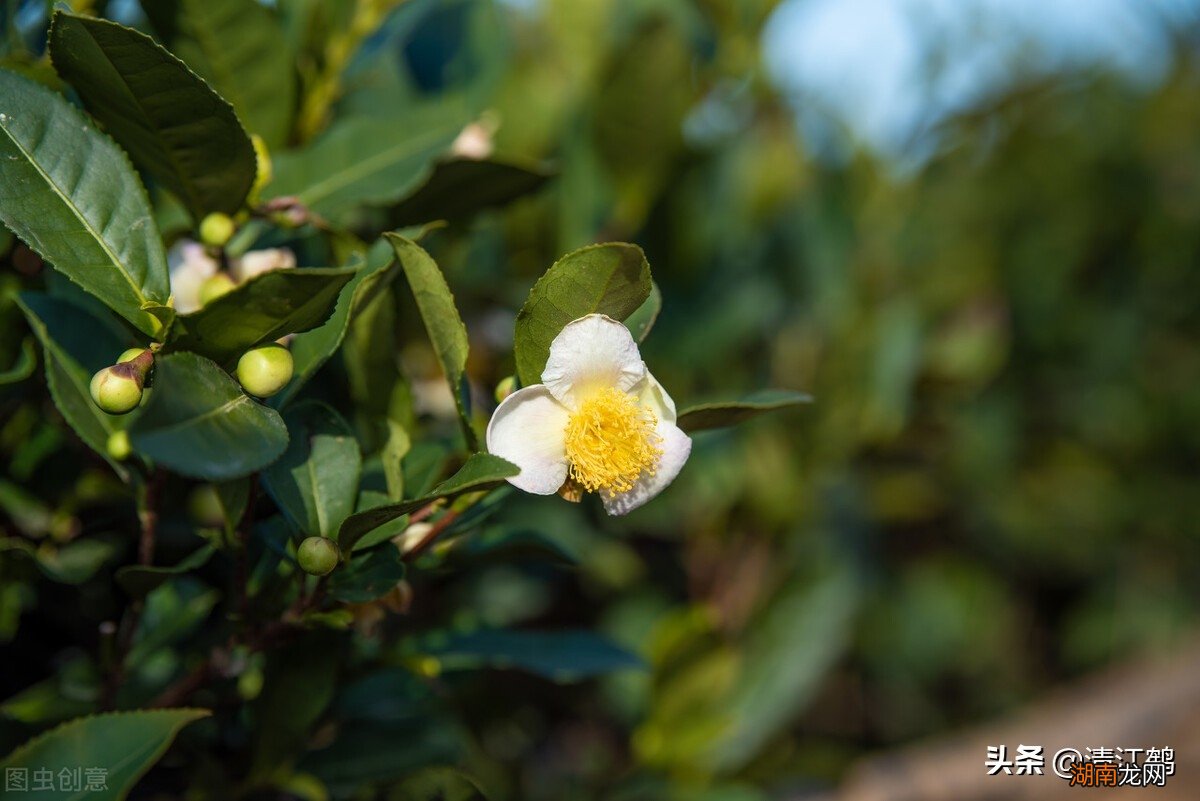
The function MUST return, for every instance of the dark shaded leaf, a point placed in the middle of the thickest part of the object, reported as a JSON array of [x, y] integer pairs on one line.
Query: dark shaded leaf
[[482, 471], [459, 188], [239, 49], [263, 309], [76, 344], [555, 655], [727, 413], [140, 580], [168, 119], [369, 575], [124, 744], [199, 423]]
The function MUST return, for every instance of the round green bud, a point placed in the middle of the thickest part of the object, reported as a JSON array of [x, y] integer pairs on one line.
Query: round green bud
[[216, 229], [505, 388], [130, 354], [118, 446], [265, 370], [318, 555], [117, 389], [214, 287]]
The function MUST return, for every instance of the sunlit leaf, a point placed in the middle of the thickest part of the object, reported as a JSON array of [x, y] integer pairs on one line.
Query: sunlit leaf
[[612, 279], [73, 197], [315, 482], [442, 321]]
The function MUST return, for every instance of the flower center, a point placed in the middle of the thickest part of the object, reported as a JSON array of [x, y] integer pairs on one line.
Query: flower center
[[611, 442]]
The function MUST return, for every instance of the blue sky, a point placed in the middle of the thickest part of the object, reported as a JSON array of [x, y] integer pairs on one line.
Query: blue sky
[[887, 68]]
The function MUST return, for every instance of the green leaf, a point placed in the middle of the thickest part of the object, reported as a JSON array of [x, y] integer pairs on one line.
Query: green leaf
[[75, 345], [438, 784], [370, 575], [263, 309], [641, 321], [168, 119], [23, 367], [459, 188], [788, 652], [233, 497], [139, 580], [73, 197], [365, 161], [313, 348], [123, 744], [720, 414], [394, 450], [315, 482], [298, 684], [200, 424], [612, 279], [555, 655], [238, 47], [75, 562], [482, 471], [442, 321], [171, 612]]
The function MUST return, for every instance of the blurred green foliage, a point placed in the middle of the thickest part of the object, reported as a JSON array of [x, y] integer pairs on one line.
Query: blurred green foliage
[[993, 492]]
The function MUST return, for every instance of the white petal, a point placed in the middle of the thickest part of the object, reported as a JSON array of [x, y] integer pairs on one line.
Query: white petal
[[676, 446], [651, 394], [527, 430], [190, 266], [257, 262], [589, 353]]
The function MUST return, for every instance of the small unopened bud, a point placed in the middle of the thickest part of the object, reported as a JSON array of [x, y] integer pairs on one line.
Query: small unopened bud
[[216, 229], [118, 389], [265, 370], [505, 388], [318, 555], [214, 287], [118, 446]]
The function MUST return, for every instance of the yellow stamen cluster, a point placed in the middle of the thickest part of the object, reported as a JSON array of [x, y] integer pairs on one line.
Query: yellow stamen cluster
[[611, 442]]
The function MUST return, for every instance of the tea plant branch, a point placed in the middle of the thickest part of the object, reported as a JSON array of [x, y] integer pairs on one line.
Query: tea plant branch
[[215, 663], [147, 498]]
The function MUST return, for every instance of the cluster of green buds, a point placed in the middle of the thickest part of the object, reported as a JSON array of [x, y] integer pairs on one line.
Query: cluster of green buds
[[122, 387]]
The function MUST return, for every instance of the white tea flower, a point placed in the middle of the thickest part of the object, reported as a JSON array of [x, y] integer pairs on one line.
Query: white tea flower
[[599, 418]]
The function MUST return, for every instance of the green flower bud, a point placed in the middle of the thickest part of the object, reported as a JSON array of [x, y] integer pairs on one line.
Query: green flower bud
[[214, 287], [216, 229], [265, 370], [318, 555], [117, 389], [505, 388], [130, 354], [118, 446]]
